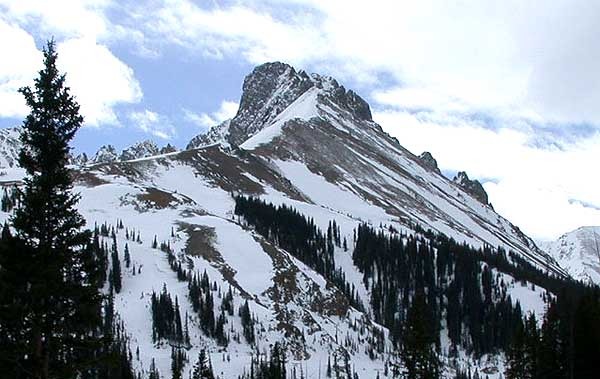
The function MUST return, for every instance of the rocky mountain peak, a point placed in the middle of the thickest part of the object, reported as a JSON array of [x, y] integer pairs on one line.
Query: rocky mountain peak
[[429, 161], [271, 87], [266, 92], [216, 134], [106, 154], [139, 150], [346, 99], [168, 148], [79, 159], [472, 187]]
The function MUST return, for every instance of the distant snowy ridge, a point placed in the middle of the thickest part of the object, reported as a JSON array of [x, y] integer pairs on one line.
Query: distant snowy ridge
[[108, 153], [578, 252], [9, 147], [139, 150]]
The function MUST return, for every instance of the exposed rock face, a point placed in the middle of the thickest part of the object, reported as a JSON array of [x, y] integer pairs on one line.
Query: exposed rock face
[[429, 161], [168, 148], [472, 187], [106, 154], [80, 160], [268, 91], [140, 150], [217, 134]]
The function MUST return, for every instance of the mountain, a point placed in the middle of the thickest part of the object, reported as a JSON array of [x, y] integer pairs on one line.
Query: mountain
[[578, 252], [139, 150], [472, 187], [429, 161], [142, 149], [305, 142], [217, 134], [321, 137], [167, 149], [9, 147], [10, 144], [80, 159], [106, 154]]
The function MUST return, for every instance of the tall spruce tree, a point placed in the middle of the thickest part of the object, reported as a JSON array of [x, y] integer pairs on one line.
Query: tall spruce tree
[[516, 360], [50, 306], [418, 354], [203, 367]]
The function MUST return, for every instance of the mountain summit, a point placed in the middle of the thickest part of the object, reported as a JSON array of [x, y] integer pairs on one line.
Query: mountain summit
[[276, 91]]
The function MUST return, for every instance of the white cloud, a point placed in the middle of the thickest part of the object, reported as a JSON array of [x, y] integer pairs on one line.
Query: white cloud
[[512, 57], [98, 79], [255, 34], [153, 123], [226, 110], [18, 66], [61, 18]]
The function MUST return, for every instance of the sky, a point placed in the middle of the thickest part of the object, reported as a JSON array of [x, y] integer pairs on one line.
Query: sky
[[507, 91]]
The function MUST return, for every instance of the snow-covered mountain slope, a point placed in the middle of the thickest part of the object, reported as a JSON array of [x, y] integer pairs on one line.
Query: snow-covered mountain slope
[[307, 142], [10, 144], [321, 138], [291, 302], [9, 147], [189, 193], [578, 252]]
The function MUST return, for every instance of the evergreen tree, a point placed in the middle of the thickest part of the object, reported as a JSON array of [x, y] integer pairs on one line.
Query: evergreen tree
[[166, 319], [277, 369], [586, 335], [49, 305], [186, 332], [115, 272], [247, 322], [418, 354], [127, 256], [153, 372], [178, 359], [203, 367], [516, 365], [552, 348], [532, 344]]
